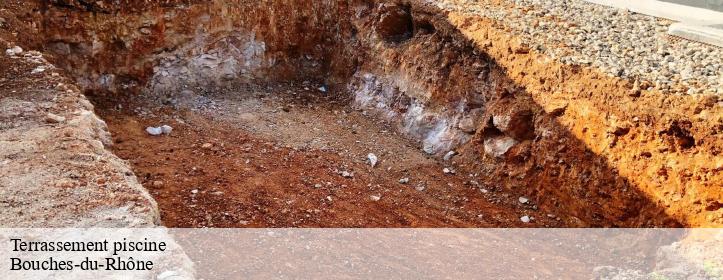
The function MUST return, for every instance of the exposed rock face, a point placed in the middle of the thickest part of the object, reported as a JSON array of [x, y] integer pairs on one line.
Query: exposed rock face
[[207, 44]]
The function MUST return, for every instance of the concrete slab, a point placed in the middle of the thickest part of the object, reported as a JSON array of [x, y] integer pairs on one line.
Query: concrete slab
[[705, 34], [672, 11], [694, 23]]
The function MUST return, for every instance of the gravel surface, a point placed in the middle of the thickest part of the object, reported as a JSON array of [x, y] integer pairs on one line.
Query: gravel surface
[[621, 43]]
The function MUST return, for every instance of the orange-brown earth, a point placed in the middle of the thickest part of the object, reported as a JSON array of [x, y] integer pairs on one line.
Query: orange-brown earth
[[212, 172], [588, 148]]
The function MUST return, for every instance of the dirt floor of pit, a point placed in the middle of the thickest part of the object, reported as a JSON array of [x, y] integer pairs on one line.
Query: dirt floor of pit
[[276, 157]]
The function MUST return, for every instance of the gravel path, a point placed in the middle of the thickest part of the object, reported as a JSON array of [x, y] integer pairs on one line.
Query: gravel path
[[621, 43]]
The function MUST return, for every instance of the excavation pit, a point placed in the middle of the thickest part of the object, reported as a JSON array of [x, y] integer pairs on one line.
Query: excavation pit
[[288, 155], [275, 113]]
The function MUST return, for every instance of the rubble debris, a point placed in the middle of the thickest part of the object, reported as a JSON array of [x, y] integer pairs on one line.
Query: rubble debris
[[166, 129], [155, 131], [498, 146], [16, 50], [53, 118], [449, 155], [372, 159], [38, 70]]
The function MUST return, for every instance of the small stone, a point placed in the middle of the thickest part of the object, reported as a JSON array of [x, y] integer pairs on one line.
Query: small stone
[[316, 186], [449, 155], [328, 197], [498, 146], [206, 145], [404, 180], [525, 219], [635, 92], [375, 197], [17, 50], [482, 190], [448, 170], [37, 70], [523, 200], [322, 88], [53, 118], [467, 125], [155, 131], [157, 183], [372, 159], [420, 187], [194, 191], [166, 129], [346, 174]]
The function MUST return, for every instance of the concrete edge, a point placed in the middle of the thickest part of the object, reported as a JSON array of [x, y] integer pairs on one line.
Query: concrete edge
[[703, 34], [676, 12]]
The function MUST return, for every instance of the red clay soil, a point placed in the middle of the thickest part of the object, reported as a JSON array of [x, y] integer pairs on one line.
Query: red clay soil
[[207, 173]]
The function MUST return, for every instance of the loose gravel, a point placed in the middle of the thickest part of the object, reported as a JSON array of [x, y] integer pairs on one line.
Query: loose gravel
[[621, 43]]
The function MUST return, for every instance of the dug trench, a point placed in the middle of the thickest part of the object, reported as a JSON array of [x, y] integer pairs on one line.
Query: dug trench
[[276, 110]]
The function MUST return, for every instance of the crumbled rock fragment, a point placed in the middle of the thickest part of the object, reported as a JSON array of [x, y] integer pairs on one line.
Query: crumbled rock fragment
[[155, 131], [467, 125], [372, 159], [498, 146], [166, 129], [449, 155], [375, 197], [404, 180], [16, 50], [38, 70], [53, 118], [523, 200], [525, 219]]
